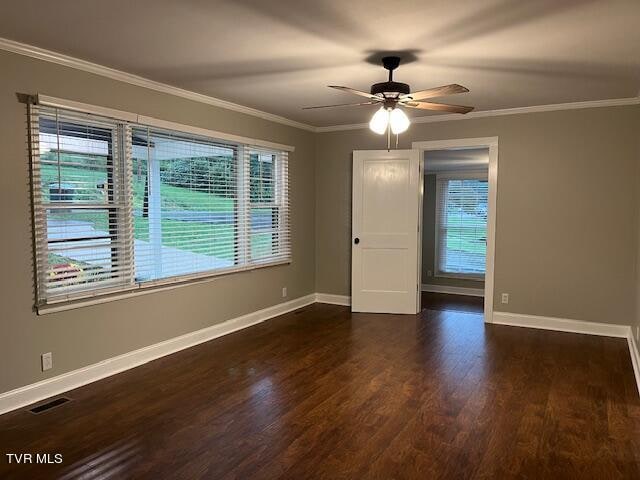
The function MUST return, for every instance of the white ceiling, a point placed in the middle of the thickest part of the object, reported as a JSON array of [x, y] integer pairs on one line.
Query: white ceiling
[[278, 56]]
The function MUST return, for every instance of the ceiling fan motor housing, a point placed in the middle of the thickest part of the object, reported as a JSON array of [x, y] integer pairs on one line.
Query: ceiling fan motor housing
[[390, 89]]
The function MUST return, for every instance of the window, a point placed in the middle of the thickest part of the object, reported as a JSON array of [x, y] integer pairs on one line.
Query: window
[[185, 204], [267, 205], [461, 225], [81, 211], [119, 205]]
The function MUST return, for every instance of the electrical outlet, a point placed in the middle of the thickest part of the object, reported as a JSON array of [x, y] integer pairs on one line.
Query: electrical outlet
[[505, 298], [47, 361], [429, 273], [284, 292]]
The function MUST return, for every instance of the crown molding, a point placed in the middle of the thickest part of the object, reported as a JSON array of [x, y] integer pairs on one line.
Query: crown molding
[[79, 64], [85, 66], [496, 113]]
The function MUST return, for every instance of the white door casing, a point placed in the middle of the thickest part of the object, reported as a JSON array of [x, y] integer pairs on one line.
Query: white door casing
[[385, 273], [492, 144]]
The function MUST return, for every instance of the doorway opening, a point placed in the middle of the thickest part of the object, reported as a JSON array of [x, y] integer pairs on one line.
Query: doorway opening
[[458, 224]]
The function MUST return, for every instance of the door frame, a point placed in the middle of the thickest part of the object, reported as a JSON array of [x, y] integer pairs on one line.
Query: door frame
[[492, 144]]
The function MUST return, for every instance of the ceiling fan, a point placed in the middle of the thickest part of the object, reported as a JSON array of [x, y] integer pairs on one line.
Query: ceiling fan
[[390, 95]]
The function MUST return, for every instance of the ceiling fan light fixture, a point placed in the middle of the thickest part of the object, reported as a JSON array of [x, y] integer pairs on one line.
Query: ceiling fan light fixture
[[380, 121], [391, 94], [399, 121]]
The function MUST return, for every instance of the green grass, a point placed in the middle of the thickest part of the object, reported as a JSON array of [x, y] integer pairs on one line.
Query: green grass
[[460, 225], [173, 198], [218, 239], [213, 240], [261, 245], [178, 198], [454, 242], [86, 176]]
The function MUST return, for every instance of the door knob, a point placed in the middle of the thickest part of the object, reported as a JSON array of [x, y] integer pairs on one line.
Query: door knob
[[356, 240]]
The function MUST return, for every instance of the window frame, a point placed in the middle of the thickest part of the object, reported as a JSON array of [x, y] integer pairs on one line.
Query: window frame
[[441, 178], [122, 131]]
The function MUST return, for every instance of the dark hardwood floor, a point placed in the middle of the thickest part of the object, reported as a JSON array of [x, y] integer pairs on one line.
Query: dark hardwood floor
[[323, 393], [449, 302]]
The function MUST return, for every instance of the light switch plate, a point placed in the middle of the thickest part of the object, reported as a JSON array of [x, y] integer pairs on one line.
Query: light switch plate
[[47, 361]]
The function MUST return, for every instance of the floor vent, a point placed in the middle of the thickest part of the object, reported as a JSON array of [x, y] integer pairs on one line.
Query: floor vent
[[49, 405]]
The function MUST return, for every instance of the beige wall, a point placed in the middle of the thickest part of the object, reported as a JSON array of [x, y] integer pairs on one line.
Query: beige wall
[[429, 242], [636, 324], [90, 334], [566, 234]]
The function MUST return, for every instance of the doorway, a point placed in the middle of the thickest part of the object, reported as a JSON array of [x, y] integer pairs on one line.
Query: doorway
[[458, 224]]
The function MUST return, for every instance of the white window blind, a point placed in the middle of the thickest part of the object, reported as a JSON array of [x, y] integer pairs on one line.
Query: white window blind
[[185, 204], [268, 206], [461, 224], [119, 206], [82, 222]]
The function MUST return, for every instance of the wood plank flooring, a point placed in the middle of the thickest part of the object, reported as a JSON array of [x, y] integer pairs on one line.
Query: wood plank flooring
[[449, 302], [321, 393]]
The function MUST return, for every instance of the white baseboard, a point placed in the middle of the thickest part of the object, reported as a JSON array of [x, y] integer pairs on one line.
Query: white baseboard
[[635, 357], [333, 299], [560, 324], [35, 392], [474, 292]]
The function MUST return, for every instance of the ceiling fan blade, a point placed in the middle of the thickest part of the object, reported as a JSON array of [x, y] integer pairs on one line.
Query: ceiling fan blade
[[373, 102], [442, 107], [353, 90], [436, 92]]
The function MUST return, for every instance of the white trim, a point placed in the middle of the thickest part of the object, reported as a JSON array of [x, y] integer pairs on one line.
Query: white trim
[[205, 132], [456, 143], [155, 122], [561, 324], [492, 176], [613, 102], [35, 392], [332, 299], [635, 357], [457, 276], [473, 292], [85, 66], [169, 283], [85, 108]]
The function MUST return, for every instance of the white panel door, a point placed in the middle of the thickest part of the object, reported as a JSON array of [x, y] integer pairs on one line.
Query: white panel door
[[385, 258]]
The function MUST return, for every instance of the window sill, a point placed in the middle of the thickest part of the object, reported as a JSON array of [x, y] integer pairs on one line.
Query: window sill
[[146, 288], [460, 276]]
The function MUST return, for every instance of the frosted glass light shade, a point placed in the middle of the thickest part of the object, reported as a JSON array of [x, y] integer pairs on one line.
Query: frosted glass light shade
[[399, 121], [380, 121]]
